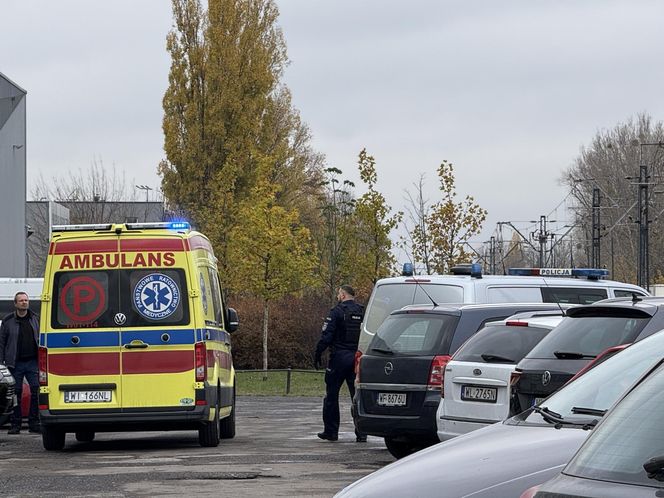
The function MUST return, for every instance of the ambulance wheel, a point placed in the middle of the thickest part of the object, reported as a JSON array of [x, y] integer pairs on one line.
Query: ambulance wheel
[[208, 434], [85, 436], [52, 439], [227, 425]]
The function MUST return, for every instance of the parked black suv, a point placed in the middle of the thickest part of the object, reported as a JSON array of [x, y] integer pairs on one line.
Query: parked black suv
[[401, 373], [581, 336]]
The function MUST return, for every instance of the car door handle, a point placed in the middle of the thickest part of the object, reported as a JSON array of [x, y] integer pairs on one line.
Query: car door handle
[[136, 345]]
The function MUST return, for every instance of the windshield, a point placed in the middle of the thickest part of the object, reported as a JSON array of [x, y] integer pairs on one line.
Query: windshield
[[391, 297], [588, 335], [414, 333], [601, 386], [630, 437], [499, 343]]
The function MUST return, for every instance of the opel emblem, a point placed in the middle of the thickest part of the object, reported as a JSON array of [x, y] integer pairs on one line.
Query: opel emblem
[[546, 378], [477, 371], [120, 319], [388, 368]]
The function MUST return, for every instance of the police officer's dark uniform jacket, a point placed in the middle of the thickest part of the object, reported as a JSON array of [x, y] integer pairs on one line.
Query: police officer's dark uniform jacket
[[341, 334]]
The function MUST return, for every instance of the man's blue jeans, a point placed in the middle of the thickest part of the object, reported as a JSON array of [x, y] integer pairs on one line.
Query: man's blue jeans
[[27, 369]]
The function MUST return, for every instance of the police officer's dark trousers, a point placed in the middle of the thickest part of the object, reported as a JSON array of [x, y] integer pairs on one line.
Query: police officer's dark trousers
[[340, 369]]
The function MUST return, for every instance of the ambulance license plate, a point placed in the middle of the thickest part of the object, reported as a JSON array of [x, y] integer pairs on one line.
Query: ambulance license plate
[[87, 396], [392, 399]]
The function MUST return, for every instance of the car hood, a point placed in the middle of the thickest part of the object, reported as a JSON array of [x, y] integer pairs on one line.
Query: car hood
[[498, 460]]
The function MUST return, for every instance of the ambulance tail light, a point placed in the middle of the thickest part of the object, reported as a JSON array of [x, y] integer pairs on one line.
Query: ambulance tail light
[[43, 366], [437, 372], [200, 355], [358, 357]]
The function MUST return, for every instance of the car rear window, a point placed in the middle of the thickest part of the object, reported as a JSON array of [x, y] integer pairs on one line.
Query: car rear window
[[414, 333], [112, 298], [500, 343], [390, 297], [589, 335], [630, 436]]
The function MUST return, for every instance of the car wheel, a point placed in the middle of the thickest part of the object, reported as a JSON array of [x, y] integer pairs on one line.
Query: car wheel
[[400, 449], [85, 436], [208, 434], [227, 425], [52, 439]]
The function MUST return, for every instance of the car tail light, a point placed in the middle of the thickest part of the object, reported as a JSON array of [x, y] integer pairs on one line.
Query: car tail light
[[356, 368], [516, 323], [514, 378], [43, 366], [437, 372], [200, 353]]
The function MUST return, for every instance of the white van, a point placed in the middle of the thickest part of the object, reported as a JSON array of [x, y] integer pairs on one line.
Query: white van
[[468, 285], [9, 286]]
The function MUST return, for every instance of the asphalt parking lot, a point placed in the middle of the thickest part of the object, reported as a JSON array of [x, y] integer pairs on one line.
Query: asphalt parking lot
[[275, 453]]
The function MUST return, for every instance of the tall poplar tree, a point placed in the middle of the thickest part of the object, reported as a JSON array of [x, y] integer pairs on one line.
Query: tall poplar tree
[[224, 111]]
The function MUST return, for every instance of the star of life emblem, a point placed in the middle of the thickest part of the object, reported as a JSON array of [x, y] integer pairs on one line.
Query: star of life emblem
[[156, 296]]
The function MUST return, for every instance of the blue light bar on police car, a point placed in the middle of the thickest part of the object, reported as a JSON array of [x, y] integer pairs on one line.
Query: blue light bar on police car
[[590, 273]]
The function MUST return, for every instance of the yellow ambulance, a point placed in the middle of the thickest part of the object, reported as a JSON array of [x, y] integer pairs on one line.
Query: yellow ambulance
[[135, 334]]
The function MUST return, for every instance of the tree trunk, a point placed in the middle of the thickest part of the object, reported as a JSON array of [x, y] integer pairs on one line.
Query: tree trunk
[[266, 312]]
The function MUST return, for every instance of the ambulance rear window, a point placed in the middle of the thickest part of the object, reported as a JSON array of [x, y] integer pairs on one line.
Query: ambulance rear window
[[119, 298]]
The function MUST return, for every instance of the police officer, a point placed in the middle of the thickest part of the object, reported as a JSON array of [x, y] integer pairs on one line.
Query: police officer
[[341, 333]]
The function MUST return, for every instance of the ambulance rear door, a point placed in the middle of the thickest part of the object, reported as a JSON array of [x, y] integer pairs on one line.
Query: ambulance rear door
[[157, 333]]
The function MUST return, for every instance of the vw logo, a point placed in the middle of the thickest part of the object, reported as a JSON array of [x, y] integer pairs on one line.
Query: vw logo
[[477, 371], [119, 318], [546, 378], [389, 368]]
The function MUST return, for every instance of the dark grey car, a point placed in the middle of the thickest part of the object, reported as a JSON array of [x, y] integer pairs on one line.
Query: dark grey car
[[401, 372], [507, 458], [581, 336]]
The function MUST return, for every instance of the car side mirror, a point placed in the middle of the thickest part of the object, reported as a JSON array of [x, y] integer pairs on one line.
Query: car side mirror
[[233, 322]]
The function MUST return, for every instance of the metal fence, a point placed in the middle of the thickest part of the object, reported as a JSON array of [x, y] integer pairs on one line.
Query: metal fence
[[281, 381]]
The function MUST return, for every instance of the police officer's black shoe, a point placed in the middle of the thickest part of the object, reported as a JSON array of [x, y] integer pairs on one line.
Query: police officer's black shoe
[[14, 430], [328, 437], [360, 439]]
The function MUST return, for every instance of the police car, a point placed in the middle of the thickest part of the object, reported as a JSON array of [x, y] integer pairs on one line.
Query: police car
[[466, 284]]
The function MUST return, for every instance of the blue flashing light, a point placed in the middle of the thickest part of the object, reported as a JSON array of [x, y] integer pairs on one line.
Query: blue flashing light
[[476, 270], [179, 225], [592, 273], [407, 270]]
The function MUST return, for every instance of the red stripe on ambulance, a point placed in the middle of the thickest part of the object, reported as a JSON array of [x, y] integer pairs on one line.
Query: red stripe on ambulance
[[145, 362], [138, 245], [85, 246], [84, 364]]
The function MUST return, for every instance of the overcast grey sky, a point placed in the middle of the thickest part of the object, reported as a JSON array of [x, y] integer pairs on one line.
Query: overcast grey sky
[[508, 91]]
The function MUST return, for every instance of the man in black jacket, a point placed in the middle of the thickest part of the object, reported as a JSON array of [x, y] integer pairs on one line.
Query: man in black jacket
[[341, 333], [19, 343]]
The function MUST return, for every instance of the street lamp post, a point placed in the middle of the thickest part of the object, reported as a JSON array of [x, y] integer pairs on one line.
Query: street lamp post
[[147, 191]]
